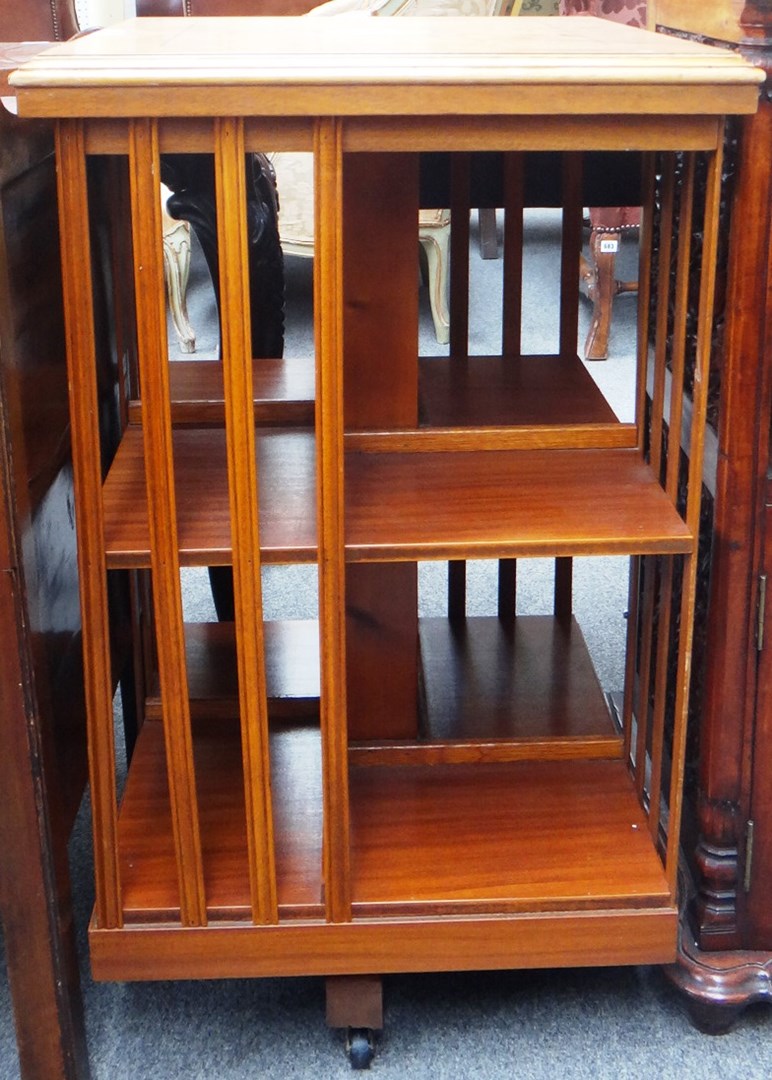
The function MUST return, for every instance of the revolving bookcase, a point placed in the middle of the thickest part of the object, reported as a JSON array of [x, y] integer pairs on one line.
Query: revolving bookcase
[[372, 792]]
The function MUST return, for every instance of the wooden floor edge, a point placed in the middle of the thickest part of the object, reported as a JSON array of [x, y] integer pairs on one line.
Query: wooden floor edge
[[534, 940]]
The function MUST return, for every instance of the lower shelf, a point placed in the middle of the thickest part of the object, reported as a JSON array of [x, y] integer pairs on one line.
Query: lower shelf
[[528, 836], [500, 690]]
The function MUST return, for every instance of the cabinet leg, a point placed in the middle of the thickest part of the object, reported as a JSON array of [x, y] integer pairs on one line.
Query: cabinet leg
[[717, 986], [354, 1001]]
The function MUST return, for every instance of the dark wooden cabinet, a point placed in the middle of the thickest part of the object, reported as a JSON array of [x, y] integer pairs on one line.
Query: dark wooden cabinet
[[42, 732], [726, 954]]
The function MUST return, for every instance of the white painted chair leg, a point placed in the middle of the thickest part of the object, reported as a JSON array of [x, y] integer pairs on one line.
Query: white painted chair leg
[[176, 248], [435, 240]]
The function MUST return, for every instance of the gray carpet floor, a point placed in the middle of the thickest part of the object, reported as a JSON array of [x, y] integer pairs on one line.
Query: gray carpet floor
[[617, 1023]]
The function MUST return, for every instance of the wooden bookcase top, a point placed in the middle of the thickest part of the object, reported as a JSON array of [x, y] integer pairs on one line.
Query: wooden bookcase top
[[368, 67]]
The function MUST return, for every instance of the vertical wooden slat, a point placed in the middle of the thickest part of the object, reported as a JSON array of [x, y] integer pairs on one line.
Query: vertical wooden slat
[[87, 476], [457, 589], [511, 327], [507, 596], [663, 313], [631, 654], [144, 171], [645, 258], [646, 646], [664, 610], [460, 187], [571, 249], [704, 337], [681, 313], [230, 187], [328, 308], [460, 182], [696, 451], [564, 580], [570, 252], [514, 198]]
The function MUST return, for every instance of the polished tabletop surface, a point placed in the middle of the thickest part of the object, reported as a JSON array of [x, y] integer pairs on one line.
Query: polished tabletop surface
[[332, 66]]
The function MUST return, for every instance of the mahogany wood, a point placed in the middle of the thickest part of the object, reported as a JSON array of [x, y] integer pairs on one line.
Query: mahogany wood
[[379, 280], [382, 635], [200, 8], [354, 1001], [286, 469], [570, 251], [231, 198], [480, 391], [145, 170], [538, 498], [596, 860], [527, 940], [39, 665], [87, 477], [329, 329], [42, 722], [291, 671], [380, 388], [708, 84], [486, 679], [476, 829], [728, 965], [559, 853], [283, 393], [458, 288], [512, 277]]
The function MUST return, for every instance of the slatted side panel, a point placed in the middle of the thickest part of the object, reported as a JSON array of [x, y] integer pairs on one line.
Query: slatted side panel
[[86, 456], [694, 486], [662, 592], [144, 171], [674, 426], [230, 186]]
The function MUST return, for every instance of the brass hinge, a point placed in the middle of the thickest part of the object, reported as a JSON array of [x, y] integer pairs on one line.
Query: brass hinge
[[762, 610], [749, 827]]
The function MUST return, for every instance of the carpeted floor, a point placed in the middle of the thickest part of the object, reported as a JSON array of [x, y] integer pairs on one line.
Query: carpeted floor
[[620, 1023]]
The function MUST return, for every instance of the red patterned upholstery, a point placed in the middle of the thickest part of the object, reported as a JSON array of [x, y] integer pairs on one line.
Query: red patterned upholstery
[[630, 12]]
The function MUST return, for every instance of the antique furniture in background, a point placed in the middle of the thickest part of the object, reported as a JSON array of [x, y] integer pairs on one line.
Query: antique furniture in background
[[607, 224]]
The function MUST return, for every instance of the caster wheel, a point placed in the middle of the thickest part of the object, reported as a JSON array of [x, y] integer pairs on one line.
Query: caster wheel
[[360, 1047]]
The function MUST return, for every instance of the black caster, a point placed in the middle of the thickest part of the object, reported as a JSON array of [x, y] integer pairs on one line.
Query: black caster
[[360, 1047]]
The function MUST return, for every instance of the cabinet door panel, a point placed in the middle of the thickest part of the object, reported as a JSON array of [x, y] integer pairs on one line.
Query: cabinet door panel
[[760, 879]]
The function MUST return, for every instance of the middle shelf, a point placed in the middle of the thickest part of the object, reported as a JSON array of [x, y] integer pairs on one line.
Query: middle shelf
[[400, 505]]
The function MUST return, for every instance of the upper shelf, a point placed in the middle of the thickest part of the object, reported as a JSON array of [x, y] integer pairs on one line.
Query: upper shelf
[[360, 67]]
